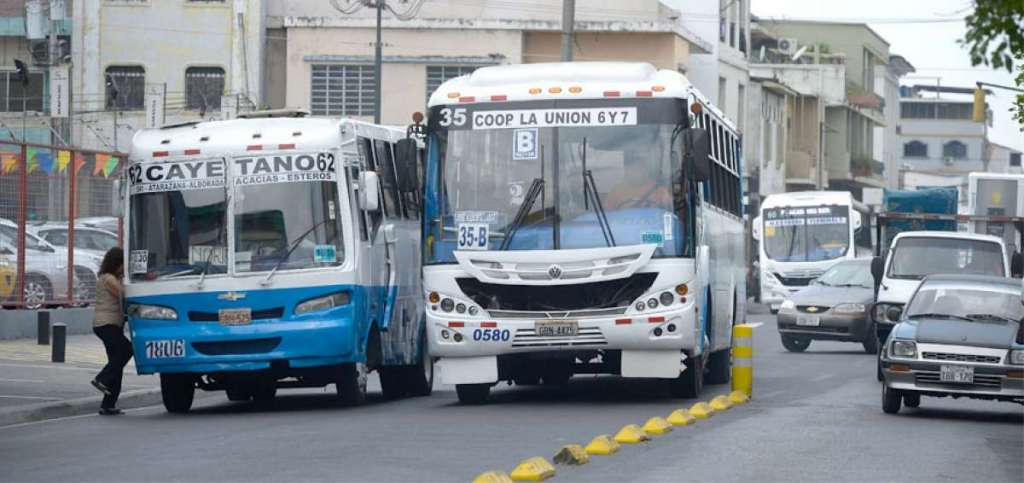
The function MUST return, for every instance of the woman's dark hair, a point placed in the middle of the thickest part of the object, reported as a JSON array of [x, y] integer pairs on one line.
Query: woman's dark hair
[[113, 260]]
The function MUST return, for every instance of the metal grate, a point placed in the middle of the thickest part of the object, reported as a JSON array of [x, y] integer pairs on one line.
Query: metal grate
[[252, 346], [439, 74], [945, 356], [586, 336], [543, 315], [342, 90], [204, 87], [126, 87]]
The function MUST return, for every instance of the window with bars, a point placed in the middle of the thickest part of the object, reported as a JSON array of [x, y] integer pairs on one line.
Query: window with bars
[[954, 149], [342, 90], [915, 149], [439, 74], [126, 87], [13, 93], [204, 87]]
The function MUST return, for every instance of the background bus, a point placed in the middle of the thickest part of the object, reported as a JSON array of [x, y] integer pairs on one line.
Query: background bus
[[802, 234]]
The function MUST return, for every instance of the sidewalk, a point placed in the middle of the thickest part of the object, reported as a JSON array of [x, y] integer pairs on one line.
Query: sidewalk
[[33, 388]]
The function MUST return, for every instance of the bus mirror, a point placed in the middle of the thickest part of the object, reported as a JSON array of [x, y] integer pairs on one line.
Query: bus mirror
[[118, 198], [697, 154], [755, 228], [406, 153], [857, 220], [369, 191], [877, 266]]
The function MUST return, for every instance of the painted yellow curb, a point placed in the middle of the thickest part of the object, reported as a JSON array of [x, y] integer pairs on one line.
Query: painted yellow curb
[[680, 417], [738, 397], [571, 454], [602, 445], [657, 426], [720, 403], [492, 477], [631, 434], [533, 469], [701, 410]]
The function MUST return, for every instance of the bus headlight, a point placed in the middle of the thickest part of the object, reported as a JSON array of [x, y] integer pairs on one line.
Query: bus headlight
[[322, 303], [447, 304], [152, 312], [666, 298]]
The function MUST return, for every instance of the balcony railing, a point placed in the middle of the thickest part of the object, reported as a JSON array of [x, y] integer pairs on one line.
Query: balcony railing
[[867, 168]]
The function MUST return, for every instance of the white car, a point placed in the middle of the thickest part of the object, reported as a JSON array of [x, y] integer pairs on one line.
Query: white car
[[91, 241], [46, 275]]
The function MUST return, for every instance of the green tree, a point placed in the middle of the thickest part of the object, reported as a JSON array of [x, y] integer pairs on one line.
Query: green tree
[[995, 36]]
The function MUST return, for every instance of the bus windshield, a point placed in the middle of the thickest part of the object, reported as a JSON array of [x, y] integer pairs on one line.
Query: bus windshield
[[806, 233], [614, 181]]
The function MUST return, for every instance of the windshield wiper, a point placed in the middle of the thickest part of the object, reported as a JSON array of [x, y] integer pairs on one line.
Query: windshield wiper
[[295, 244], [823, 283], [989, 317], [591, 196], [536, 188], [931, 315]]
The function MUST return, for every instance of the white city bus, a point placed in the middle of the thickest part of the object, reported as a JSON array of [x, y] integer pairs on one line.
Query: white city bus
[[802, 234], [579, 219]]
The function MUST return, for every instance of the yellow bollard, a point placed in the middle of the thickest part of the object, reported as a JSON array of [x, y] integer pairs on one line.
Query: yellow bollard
[[743, 359]]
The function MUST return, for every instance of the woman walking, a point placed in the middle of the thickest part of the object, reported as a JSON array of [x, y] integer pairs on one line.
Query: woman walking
[[108, 325]]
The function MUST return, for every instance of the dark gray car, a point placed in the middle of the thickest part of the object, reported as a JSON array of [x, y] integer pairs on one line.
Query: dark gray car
[[835, 306]]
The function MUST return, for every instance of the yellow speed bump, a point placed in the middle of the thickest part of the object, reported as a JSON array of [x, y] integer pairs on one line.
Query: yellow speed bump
[[680, 417], [738, 397], [701, 410], [602, 445], [720, 403], [533, 469], [631, 434], [657, 426], [492, 477], [571, 454]]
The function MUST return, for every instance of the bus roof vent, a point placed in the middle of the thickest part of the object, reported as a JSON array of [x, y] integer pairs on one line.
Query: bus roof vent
[[274, 113]]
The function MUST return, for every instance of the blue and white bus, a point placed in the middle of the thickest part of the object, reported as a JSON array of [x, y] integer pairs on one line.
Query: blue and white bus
[[274, 252], [580, 218]]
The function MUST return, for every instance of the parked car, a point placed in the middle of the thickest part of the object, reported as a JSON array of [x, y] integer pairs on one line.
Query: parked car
[[960, 336], [46, 276], [92, 241], [105, 223], [8, 274], [835, 306]]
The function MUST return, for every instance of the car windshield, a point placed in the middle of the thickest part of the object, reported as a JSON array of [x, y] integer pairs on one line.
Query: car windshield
[[916, 257], [977, 304], [807, 233], [178, 219], [570, 186], [847, 274], [32, 242]]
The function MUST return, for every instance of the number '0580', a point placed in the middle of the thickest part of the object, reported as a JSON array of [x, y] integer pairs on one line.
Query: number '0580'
[[491, 335]]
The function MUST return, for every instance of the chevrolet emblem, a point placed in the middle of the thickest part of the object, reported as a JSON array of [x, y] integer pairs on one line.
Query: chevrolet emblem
[[812, 309], [231, 296]]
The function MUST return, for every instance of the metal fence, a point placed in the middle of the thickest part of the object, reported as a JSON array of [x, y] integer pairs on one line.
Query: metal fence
[[57, 219]]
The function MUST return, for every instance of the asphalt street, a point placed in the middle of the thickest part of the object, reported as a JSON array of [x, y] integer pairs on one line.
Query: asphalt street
[[815, 416]]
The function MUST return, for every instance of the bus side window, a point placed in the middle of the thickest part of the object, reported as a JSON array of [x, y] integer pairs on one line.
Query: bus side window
[[353, 176], [370, 163], [386, 174]]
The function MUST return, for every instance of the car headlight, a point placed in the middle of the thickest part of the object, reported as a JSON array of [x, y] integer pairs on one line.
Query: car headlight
[[849, 309], [904, 348], [1017, 357], [787, 305], [322, 303], [152, 312]]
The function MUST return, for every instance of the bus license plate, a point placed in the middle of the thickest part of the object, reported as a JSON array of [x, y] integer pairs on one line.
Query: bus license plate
[[956, 374], [808, 320], [234, 316], [556, 328]]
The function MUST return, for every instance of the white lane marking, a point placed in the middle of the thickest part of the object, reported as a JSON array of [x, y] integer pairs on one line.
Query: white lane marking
[[821, 378], [40, 398], [769, 395], [22, 380], [39, 366], [756, 324]]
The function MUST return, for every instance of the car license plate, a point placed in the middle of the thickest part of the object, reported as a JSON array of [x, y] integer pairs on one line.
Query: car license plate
[[234, 316], [808, 320], [556, 328], [957, 374]]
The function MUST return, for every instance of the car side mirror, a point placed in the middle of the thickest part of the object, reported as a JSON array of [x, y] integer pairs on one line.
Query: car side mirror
[[877, 267], [697, 153], [894, 313], [1017, 265], [406, 154], [858, 222], [369, 191], [755, 228]]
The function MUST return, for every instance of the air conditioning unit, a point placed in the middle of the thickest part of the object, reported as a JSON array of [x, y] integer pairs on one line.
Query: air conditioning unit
[[787, 46]]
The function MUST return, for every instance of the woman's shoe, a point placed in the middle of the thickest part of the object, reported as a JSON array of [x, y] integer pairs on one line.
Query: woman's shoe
[[101, 387], [110, 412]]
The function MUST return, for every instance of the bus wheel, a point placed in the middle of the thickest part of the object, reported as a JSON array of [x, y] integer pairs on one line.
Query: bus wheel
[[177, 392], [420, 376], [264, 391], [392, 381], [351, 384], [473, 393], [719, 367], [689, 384]]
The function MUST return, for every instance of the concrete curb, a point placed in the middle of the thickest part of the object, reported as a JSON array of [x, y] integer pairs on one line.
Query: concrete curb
[[74, 407]]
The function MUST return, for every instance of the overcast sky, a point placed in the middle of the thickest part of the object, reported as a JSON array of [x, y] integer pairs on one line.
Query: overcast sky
[[930, 46]]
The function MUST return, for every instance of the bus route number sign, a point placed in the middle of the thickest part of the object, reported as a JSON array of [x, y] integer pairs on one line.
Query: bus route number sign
[[473, 236]]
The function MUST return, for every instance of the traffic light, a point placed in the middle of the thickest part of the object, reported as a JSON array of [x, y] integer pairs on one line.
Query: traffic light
[[21, 72], [979, 104]]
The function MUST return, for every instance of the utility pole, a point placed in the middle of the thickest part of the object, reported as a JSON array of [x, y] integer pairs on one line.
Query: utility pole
[[377, 64], [568, 28]]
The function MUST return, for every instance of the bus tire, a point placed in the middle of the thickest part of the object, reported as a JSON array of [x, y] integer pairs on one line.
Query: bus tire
[[351, 384], [419, 377], [690, 383], [177, 392], [473, 393], [719, 367], [392, 381], [264, 391]]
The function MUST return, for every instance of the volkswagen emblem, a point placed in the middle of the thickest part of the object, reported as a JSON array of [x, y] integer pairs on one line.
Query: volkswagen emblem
[[231, 296], [555, 271]]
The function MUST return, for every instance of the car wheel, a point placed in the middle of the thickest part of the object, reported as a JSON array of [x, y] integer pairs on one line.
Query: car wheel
[[870, 341], [37, 292], [891, 400], [911, 399], [878, 370], [774, 311], [177, 392], [794, 343], [351, 384], [473, 393]]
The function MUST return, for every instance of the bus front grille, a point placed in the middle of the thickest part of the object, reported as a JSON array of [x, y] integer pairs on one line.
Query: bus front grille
[[587, 336]]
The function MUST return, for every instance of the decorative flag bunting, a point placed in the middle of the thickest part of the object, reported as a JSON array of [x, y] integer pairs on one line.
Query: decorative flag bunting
[[79, 161], [63, 158], [99, 161], [9, 162], [109, 166], [45, 160], [33, 163]]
